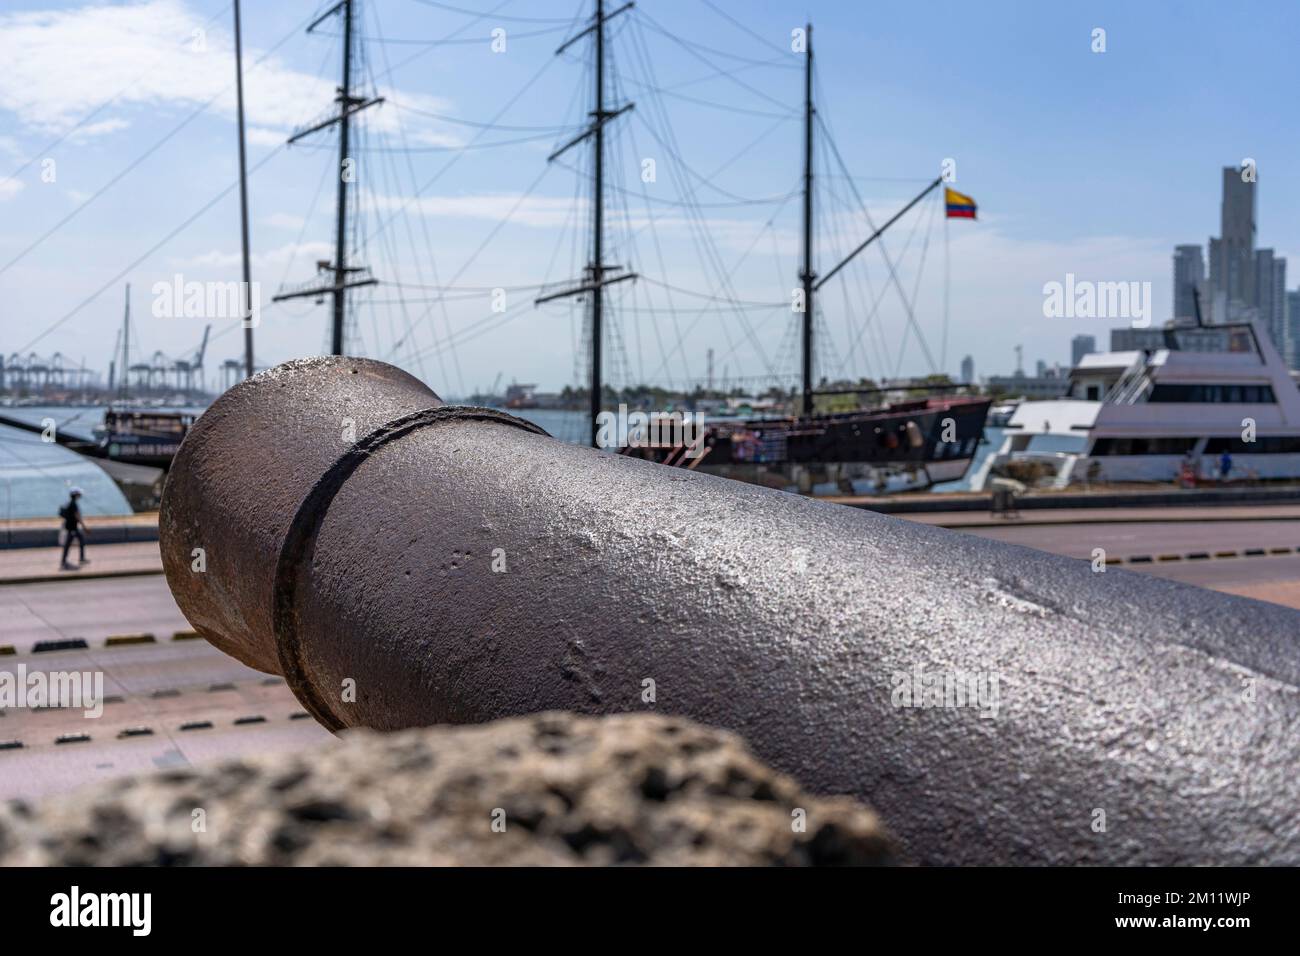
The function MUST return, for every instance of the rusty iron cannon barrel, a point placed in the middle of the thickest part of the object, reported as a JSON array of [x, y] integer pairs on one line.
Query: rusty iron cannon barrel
[[403, 562]]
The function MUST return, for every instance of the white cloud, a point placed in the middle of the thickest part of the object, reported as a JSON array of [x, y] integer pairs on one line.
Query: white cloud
[[9, 188], [554, 212], [219, 261], [540, 211], [60, 65], [263, 136], [91, 130], [430, 137], [283, 220], [996, 295]]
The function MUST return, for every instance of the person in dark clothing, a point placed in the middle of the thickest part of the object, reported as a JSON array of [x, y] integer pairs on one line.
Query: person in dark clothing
[[73, 527], [1225, 465]]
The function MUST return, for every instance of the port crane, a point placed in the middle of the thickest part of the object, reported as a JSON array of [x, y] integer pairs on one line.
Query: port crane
[[184, 368]]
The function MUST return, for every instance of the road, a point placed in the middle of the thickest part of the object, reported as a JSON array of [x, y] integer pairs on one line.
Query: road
[[173, 703], [1151, 539], [1259, 559], [93, 609], [168, 704]]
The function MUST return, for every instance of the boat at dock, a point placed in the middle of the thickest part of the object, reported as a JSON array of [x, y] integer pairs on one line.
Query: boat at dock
[[900, 446], [1166, 414], [149, 438], [129, 436], [1001, 413]]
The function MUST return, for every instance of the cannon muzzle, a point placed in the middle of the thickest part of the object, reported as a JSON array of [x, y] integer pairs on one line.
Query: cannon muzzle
[[403, 562]]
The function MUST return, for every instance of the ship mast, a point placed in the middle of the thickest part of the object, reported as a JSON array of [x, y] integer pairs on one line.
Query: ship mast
[[124, 382], [340, 236], [806, 274], [809, 280], [247, 295], [348, 104], [596, 277]]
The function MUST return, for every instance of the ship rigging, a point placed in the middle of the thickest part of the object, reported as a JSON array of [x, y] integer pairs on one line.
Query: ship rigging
[[669, 266]]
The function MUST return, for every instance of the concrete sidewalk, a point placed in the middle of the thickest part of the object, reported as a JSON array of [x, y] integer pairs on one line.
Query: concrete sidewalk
[[1161, 514], [1130, 497], [30, 565], [46, 532], [116, 557], [948, 510]]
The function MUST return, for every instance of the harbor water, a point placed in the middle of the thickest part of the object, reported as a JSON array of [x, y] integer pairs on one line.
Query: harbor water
[[36, 475]]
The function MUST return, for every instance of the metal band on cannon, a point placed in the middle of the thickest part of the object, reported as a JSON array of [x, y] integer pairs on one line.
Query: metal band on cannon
[[299, 544]]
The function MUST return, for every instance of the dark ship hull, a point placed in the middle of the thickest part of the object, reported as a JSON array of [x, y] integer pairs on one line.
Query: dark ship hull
[[903, 446], [145, 438]]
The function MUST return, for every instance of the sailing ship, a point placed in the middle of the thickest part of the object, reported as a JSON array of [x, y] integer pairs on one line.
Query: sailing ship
[[925, 435], [907, 437], [896, 439], [907, 444]]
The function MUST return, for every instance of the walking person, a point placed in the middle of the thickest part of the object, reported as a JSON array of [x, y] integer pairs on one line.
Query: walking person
[[73, 527], [1225, 465]]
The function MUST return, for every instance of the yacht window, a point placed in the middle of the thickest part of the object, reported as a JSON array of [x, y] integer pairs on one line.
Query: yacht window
[[1214, 394], [1142, 446], [1265, 445]]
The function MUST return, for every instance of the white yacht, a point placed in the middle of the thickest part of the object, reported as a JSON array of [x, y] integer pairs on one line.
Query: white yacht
[[1153, 414]]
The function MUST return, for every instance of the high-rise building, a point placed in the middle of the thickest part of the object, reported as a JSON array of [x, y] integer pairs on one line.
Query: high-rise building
[[1081, 345], [1214, 285], [1232, 256], [1263, 284], [1270, 296], [1189, 275], [968, 370], [1292, 300]]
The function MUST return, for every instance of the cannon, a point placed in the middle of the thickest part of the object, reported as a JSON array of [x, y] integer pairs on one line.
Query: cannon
[[403, 562]]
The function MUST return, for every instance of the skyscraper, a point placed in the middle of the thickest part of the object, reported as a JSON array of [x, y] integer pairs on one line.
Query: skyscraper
[[1293, 329], [1189, 274], [1081, 345], [1232, 256], [968, 370], [1270, 297], [1280, 319]]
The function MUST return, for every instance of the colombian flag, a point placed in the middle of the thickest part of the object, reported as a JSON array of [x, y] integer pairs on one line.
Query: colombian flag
[[960, 206]]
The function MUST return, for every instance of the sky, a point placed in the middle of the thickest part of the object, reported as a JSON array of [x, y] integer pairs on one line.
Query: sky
[[118, 141]]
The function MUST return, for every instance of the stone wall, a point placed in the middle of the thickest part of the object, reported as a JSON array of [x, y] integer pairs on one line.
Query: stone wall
[[551, 789]]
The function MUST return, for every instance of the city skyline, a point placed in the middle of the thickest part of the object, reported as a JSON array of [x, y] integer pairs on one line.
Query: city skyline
[[1244, 281]]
